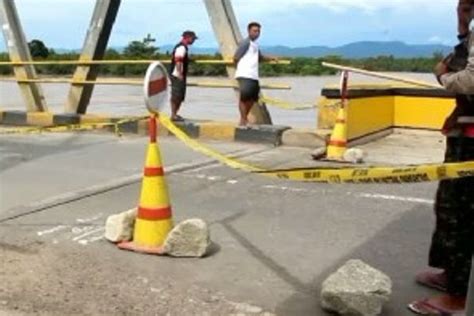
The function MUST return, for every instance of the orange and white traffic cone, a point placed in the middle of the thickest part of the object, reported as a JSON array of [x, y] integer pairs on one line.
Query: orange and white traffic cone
[[154, 217], [337, 144]]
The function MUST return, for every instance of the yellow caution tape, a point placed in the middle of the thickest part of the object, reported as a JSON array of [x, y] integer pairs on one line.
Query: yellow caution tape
[[397, 174], [166, 121]]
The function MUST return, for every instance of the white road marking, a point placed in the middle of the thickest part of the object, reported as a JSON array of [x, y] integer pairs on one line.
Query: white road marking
[[214, 178], [303, 190], [362, 195], [91, 240], [395, 198], [90, 219], [52, 230], [79, 230], [88, 233]]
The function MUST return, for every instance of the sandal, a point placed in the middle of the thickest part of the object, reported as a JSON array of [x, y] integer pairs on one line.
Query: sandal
[[441, 305], [431, 279], [177, 118]]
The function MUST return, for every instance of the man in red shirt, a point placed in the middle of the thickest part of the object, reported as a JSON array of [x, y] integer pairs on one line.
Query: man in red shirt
[[179, 72]]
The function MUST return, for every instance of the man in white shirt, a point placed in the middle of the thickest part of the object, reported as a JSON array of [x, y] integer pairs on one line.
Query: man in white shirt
[[247, 58], [179, 71]]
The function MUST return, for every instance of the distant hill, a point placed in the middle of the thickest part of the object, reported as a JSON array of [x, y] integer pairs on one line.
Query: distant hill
[[361, 50], [352, 50]]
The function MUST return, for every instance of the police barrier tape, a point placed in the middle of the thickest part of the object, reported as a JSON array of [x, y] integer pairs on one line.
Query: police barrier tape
[[176, 131], [71, 127], [398, 174]]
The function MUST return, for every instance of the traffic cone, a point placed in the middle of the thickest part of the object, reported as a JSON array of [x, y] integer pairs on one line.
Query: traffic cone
[[338, 141], [154, 217]]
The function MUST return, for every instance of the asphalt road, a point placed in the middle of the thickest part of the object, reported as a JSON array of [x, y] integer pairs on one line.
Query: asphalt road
[[274, 241]]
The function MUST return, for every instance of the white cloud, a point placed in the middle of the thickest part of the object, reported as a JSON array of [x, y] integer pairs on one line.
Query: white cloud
[[435, 39], [306, 22], [368, 6]]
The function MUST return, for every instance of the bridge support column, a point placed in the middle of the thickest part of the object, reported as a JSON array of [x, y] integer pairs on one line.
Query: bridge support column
[[94, 48], [228, 35], [18, 50]]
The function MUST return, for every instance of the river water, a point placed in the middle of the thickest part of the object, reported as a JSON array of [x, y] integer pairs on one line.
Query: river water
[[201, 103]]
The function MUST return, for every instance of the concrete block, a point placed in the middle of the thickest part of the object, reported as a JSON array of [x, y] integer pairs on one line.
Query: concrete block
[[217, 130], [270, 134], [14, 118], [190, 128], [66, 119], [40, 119]]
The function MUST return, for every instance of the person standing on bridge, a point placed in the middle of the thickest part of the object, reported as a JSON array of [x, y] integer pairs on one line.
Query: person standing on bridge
[[179, 72], [246, 60], [452, 243]]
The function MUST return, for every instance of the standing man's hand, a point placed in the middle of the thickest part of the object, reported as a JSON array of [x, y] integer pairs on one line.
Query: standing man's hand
[[440, 69]]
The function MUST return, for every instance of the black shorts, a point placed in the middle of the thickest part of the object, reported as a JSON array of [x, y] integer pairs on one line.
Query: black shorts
[[249, 89], [178, 89]]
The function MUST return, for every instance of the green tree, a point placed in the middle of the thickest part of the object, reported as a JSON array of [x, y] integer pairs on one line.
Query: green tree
[[141, 49], [38, 49]]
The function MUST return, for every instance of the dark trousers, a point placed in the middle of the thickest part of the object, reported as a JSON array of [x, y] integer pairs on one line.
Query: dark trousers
[[452, 244]]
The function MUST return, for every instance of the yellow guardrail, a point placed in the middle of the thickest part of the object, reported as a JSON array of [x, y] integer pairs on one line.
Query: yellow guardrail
[[203, 84], [123, 62]]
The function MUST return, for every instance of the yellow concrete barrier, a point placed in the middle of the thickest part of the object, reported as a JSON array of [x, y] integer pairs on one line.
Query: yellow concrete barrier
[[373, 108]]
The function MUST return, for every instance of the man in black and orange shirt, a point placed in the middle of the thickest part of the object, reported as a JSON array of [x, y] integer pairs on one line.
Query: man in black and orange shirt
[[452, 244], [179, 71]]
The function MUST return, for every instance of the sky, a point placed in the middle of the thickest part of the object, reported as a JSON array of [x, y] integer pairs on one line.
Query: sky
[[292, 23]]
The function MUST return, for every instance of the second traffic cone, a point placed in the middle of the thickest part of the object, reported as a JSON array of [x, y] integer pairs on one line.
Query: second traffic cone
[[338, 142], [154, 216]]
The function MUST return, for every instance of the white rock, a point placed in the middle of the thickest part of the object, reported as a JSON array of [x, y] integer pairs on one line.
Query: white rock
[[318, 153], [354, 155], [119, 227], [190, 238], [356, 289]]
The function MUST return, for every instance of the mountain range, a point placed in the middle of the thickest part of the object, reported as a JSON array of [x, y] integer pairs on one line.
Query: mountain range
[[352, 50]]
